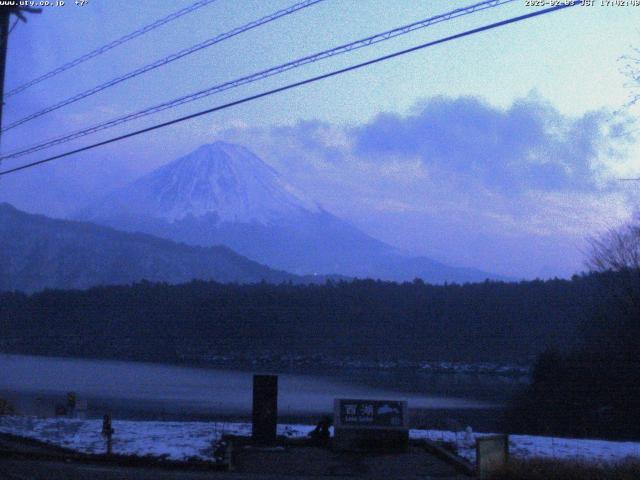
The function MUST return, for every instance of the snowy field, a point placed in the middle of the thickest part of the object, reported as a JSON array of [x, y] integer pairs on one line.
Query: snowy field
[[184, 440]]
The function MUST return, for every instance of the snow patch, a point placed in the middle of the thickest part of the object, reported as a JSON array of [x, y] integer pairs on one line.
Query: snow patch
[[185, 440], [224, 181]]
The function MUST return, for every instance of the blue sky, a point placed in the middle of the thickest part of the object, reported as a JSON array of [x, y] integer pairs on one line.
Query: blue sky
[[451, 186]]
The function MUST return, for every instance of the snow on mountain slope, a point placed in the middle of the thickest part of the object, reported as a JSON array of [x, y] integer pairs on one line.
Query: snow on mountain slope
[[222, 179]]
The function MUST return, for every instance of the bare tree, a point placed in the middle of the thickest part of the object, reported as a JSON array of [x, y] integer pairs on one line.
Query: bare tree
[[631, 69], [617, 251]]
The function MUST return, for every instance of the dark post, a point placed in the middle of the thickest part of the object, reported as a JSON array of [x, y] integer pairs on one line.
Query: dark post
[[71, 403], [107, 432], [265, 409], [492, 453]]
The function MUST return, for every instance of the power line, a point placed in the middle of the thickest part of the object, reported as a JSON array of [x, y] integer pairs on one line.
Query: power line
[[166, 60], [111, 45], [365, 42], [292, 86]]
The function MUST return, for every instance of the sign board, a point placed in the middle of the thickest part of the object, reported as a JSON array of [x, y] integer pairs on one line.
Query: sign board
[[492, 453], [361, 413], [371, 425]]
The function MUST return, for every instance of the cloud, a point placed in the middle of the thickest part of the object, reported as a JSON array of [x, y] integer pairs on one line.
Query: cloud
[[458, 175], [528, 146]]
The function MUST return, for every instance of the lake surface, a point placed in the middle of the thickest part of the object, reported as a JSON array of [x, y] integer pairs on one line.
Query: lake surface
[[196, 392]]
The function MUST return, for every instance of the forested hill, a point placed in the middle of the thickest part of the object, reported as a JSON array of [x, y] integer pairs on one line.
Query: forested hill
[[491, 321], [37, 252]]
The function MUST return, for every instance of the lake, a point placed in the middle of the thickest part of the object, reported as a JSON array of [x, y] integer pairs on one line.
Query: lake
[[146, 390]]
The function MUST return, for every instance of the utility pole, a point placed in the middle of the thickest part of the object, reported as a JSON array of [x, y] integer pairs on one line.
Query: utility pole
[[5, 17]]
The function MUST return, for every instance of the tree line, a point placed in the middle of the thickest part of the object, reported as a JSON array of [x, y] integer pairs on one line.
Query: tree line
[[593, 388], [488, 322]]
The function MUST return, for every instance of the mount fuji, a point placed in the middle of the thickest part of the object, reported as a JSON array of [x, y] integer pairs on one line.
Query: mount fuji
[[223, 194]]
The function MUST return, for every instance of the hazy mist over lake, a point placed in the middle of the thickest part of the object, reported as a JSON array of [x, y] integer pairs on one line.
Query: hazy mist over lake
[[182, 388]]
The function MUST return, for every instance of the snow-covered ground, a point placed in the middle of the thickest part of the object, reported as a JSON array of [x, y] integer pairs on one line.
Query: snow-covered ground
[[184, 440], [530, 446], [173, 440]]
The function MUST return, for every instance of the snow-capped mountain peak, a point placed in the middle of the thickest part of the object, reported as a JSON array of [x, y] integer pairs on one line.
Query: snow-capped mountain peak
[[220, 178]]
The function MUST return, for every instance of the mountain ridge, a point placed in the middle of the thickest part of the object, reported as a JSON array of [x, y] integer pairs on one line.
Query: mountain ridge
[[38, 252], [224, 194]]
